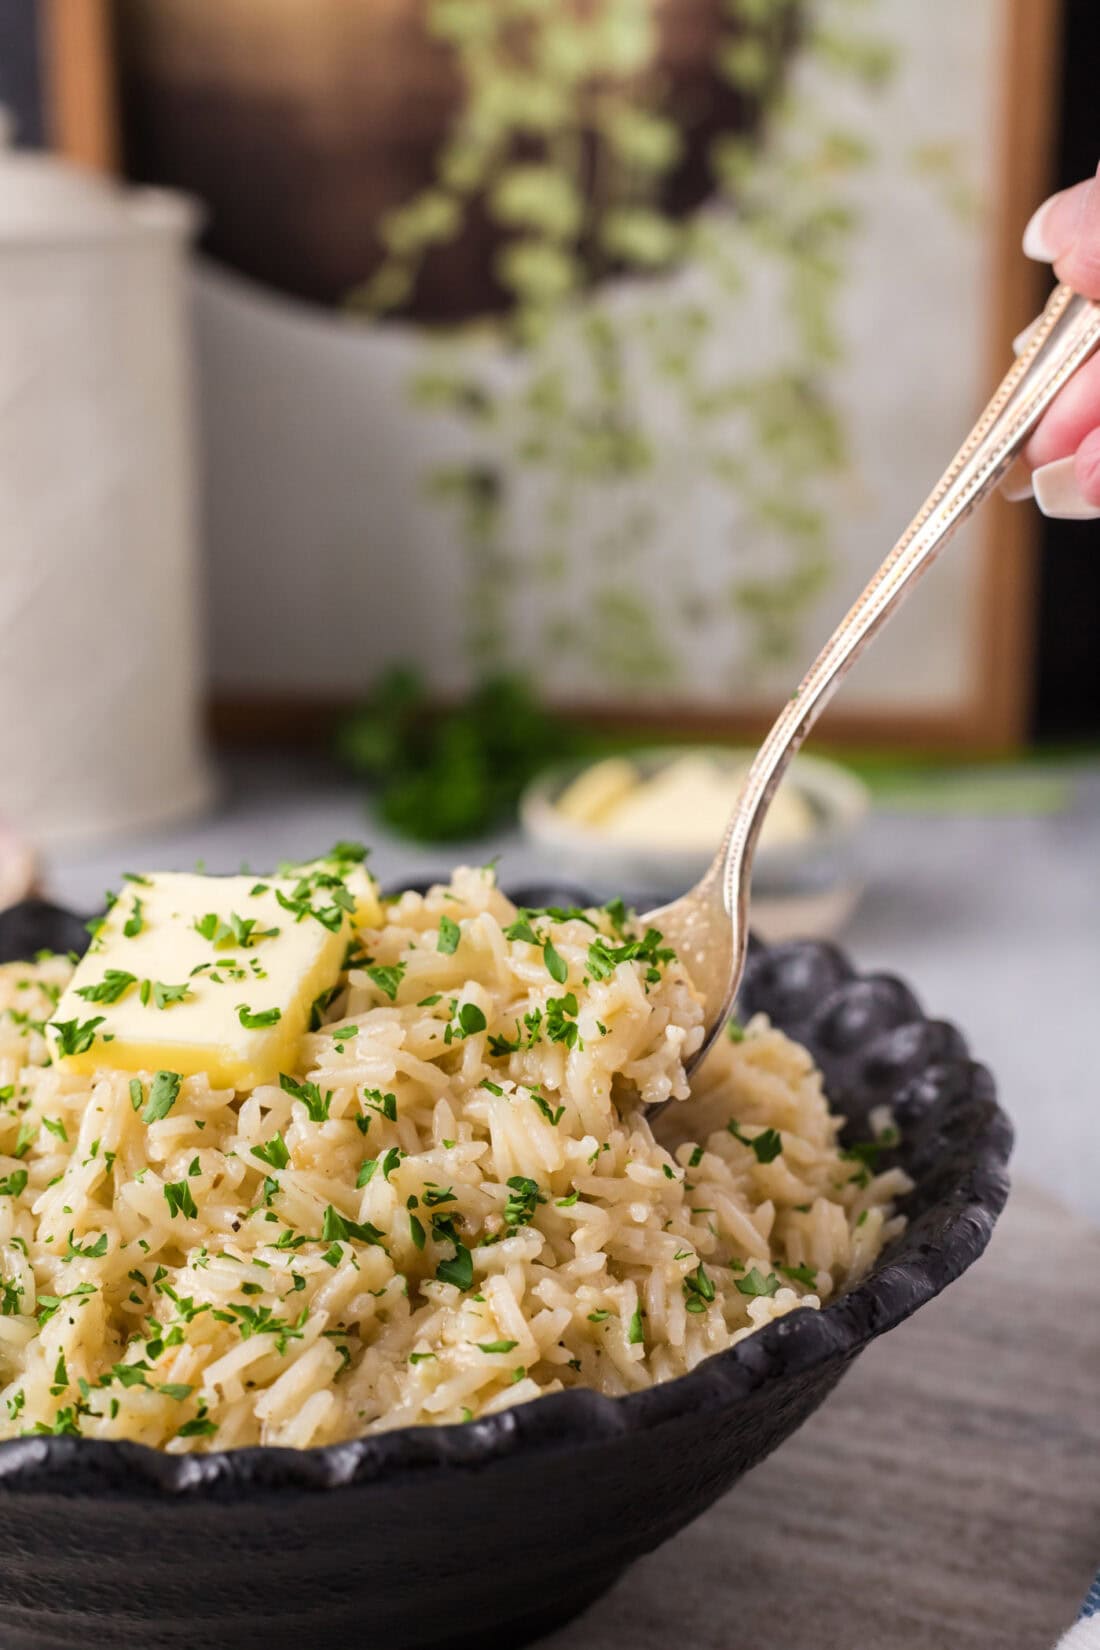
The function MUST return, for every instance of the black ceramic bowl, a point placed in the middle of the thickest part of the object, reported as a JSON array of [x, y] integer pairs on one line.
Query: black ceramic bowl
[[493, 1533]]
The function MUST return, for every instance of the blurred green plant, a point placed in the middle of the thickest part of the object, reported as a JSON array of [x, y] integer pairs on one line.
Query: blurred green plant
[[448, 774]]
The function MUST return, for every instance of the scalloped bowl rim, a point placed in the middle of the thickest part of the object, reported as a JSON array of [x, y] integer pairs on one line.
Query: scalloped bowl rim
[[799, 1342]]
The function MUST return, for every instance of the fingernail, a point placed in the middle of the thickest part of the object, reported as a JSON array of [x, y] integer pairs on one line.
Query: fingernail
[[1017, 482], [1036, 244], [1022, 339], [1057, 492]]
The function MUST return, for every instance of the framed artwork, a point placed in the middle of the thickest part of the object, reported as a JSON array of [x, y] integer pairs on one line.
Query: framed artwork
[[613, 340]]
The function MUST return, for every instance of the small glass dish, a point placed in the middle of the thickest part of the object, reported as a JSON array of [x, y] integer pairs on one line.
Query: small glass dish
[[805, 881]]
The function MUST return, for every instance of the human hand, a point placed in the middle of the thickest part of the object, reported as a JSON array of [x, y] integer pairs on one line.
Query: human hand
[[1060, 465]]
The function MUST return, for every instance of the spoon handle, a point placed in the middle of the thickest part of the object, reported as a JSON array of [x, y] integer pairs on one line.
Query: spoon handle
[[1064, 337]]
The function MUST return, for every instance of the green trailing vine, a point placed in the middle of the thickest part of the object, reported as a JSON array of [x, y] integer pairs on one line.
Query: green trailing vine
[[617, 413]]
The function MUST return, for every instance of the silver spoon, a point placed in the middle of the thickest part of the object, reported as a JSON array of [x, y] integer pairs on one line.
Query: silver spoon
[[708, 926]]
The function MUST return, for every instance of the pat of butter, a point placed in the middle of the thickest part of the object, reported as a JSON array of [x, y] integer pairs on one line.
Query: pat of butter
[[219, 945], [683, 806]]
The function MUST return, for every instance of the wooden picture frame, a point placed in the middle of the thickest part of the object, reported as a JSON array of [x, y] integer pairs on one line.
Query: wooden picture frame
[[76, 38], [81, 114]]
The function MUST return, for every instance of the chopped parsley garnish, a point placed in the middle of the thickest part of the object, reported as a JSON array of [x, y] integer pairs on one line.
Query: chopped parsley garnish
[[635, 1333], [339, 1229], [755, 1283], [257, 1021], [497, 1346], [163, 1093], [800, 1274], [466, 1020], [135, 922], [177, 1195], [200, 1427], [387, 979], [14, 1183], [556, 965], [766, 1145], [698, 1289], [560, 1028], [238, 931], [449, 935], [459, 1270], [273, 1152], [416, 1231], [384, 1103], [76, 1036], [735, 1031], [110, 988], [319, 1004], [164, 996], [524, 1198], [552, 1114], [499, 1046], [316, 1103], [603, 959], [87, 1251]]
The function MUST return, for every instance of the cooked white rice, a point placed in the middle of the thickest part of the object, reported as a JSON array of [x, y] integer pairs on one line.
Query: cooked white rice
[[523, 1228]]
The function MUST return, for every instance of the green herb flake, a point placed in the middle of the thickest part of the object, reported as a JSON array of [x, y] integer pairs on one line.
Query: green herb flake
[[387, 979], [76, 1036], [459, 1270], [177, 1195], [163, 1093], [259, 1020], [801, 1274], [755, 1283], [115, 982], [316, 1103], [339, 1229], [765, 1146], [449, 936], [274, 1152]]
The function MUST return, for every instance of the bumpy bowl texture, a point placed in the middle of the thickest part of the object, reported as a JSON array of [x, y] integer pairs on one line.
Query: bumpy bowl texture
[[495, 1532]]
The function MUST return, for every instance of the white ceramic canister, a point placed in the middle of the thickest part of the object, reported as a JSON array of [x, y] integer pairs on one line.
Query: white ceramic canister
[[100, 658]]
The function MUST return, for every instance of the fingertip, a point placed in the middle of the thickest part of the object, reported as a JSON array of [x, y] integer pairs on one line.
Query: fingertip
[[1087, 467], [1052, 228]]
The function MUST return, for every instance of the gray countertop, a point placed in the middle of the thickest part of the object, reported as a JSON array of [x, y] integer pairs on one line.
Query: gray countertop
[[995, 922]]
